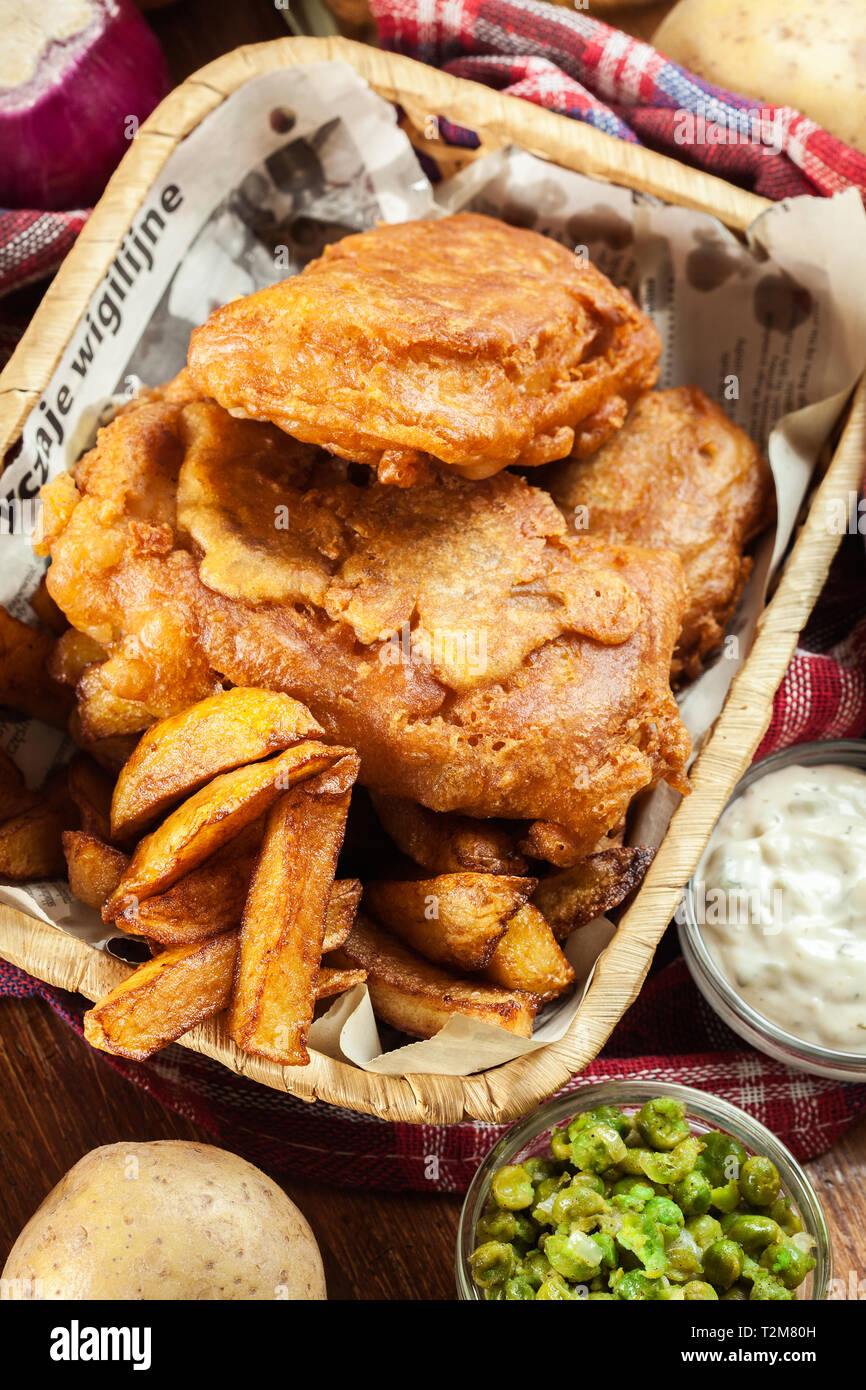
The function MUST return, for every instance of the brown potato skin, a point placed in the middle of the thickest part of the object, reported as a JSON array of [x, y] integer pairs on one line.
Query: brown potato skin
[[472, 912], [94, 868], [419, 998], [591, 888], [283, 925], [163, 999], [445, 843], [30, 845], [179, 754], [213, 816], [25, 684], [528, 958], [165, 1220]]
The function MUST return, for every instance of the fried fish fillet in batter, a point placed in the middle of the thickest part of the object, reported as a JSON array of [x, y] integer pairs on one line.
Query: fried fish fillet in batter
[[678, 475], [479, 658], [465, 340]]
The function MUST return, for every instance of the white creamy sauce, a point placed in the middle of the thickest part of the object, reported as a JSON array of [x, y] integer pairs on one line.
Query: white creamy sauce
[[781, 902]]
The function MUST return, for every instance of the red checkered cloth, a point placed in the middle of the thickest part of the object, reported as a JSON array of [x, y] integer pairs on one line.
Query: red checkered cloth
[[573, 64]]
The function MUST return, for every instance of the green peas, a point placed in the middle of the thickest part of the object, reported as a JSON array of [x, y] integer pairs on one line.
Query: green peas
[[787, 1262], [575, 1203], [537, 1169], [672, 1167], [506, 1226], [704, 1230], [661, 1124], [636, 1212], [575, 1256], [492, 1263], [512, 1188], [667, 1214], [597, 1148], [759, 1181], [698, 1290], [722, 1158], [783, 1213], [726, 1199], [723, 1263], [634, 1286], [766, 1289], [754, 1233], [560, 1145], [693, 1194], [519, 1288], [555, 1289]]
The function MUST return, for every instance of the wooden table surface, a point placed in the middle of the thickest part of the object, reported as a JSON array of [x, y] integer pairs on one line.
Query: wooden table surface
[[59, 1098]]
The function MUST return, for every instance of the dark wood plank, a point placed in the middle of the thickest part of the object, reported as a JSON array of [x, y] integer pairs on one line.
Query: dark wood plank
[[59, 1099]]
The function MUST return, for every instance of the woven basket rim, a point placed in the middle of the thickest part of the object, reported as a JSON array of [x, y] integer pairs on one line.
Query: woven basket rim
[[513, 1088]]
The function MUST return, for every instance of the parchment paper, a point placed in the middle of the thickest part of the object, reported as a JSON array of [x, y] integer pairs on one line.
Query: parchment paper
[[773, 327]]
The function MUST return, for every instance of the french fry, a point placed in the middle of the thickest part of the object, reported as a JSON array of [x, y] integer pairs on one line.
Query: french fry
[[283, 926], [30, 844], [333, 981], [529, 958], [453, 919], [179, 754], [109, 752], [163, 999], [419, 998], [212, 817], [25, 685], [590, 889], [183, 985], [90, 788], [445, 843], [94, 868], [210, 899], [14, 795]]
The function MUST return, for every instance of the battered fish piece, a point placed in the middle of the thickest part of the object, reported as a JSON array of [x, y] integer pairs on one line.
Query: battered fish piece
[[462, 340], [479, 658], [678, 475]]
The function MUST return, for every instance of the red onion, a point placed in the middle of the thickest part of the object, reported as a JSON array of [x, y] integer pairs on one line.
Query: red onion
[[76, 78]]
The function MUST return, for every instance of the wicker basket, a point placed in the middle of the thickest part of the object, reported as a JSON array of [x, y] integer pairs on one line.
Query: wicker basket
[[507, 1091]]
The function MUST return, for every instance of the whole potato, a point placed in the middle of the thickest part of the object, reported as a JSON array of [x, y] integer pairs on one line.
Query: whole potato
[[809, 54], [166, 1220]]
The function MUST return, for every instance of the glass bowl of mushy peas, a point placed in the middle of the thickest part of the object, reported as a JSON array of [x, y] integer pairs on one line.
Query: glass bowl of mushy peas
[[631, 1191]]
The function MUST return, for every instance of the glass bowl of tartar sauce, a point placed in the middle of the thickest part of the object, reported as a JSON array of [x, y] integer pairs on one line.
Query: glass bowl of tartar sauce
[[773, 922]]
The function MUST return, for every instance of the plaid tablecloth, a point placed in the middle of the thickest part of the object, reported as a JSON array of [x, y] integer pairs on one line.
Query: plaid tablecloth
[[576, 65]]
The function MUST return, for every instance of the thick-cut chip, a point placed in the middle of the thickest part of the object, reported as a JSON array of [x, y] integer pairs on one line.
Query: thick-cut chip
[[181, 986], [454, 919], [528, 958], [333, 981], [342, 911], [212, 817], [163, 999], [591, 888], [179, 754], [90, 788], [30, 844], [419, 998], [25, 684], [283, 927], [94, 868], [14, 795], [443, 843]]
